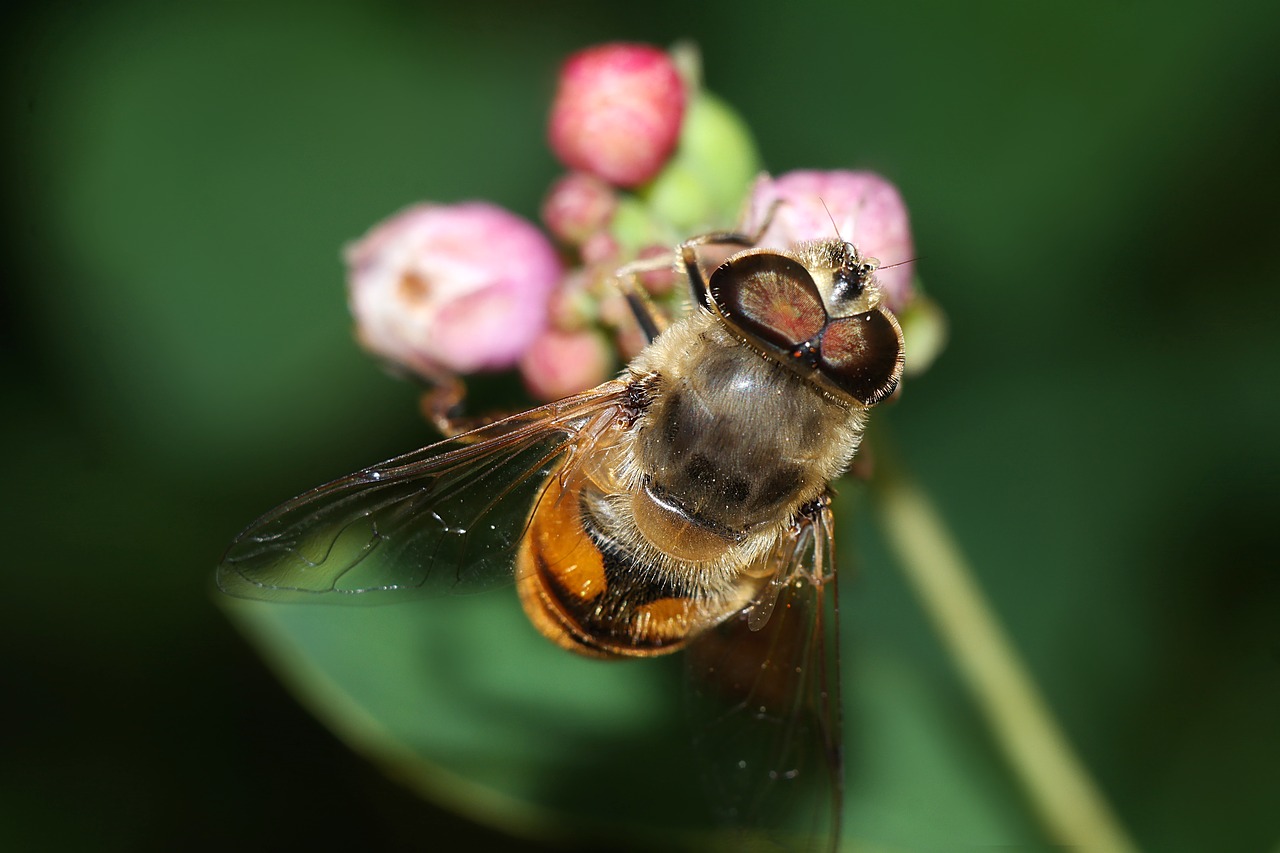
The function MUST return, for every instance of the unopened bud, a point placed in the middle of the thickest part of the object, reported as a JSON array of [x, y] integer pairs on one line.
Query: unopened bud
[[452, 288], [617, 112], [562, 363], [600, 248], [578, 206]]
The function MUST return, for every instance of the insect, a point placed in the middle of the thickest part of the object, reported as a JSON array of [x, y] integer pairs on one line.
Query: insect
[[684, 505]]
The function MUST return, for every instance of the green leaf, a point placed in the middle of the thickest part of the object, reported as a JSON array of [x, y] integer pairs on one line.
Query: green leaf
[[462, 700]]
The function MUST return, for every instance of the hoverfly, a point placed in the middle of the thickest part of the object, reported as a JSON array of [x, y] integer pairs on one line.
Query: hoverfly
[[683, 505]]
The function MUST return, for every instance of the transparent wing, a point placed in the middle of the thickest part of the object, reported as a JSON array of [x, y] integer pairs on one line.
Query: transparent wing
[[446, 518], [766, 703]]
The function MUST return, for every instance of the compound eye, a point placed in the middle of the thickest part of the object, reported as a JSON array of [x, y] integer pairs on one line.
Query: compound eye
[[862, 355], [769, 297]]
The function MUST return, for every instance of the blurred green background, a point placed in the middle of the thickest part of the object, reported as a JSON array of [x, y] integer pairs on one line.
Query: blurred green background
[[1094, 196]]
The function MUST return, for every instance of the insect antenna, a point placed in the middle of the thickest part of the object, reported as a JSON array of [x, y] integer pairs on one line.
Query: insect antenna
[[834, 226], [901, 263]]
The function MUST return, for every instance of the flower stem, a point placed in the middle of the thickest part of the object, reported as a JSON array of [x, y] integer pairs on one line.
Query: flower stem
[[1067, 801]]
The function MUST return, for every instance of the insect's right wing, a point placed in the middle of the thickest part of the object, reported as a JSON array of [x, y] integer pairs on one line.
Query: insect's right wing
[[447, 518], [765, 695]]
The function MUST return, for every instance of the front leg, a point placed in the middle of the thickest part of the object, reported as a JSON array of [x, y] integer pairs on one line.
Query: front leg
[[689, 254]]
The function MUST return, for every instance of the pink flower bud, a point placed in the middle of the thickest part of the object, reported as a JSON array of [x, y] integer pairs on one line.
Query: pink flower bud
[[562, 363], [600, 248], [572, 307], [578, 206], [452, 288], [867, 211], [617, 112]]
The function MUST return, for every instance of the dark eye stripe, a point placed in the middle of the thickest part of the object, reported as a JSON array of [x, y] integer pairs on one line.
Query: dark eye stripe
[[862, 355], [770, 297]]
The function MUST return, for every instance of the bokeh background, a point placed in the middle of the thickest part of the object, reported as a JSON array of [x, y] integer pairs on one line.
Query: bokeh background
[[1094, 195]]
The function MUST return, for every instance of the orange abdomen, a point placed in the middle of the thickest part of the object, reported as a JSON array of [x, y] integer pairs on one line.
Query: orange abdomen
[[588, 595]]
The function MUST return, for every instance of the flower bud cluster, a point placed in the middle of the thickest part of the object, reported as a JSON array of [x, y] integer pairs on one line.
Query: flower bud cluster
[[651, 159]]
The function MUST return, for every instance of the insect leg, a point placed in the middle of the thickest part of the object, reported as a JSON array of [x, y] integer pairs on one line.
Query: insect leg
[[817, 516], [689, 254], [650, 319], [651, 323], [442, 403]]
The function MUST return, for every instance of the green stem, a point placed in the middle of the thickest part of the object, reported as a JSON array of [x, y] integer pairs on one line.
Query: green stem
[[1057, 783]]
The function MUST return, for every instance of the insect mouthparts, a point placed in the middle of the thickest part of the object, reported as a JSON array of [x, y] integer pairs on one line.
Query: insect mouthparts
[[849, 283]]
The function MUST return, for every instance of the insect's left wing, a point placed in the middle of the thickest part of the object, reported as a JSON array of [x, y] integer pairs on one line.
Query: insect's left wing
[[443, 519], [766, 702]]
